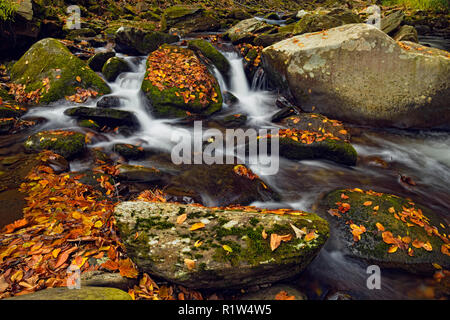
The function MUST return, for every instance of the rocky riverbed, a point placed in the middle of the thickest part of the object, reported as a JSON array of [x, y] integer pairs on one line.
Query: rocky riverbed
[[88, 117]]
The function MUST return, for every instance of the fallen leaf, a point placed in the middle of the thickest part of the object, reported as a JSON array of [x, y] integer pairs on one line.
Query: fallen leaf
[[197, 226], [181, 218], [190, 264]]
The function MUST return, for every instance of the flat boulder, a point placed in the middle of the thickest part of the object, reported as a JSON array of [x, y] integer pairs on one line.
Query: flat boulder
[[189, 19], [49, 69], [137, 41], [393, 84], [84, 293], [387, 230], [104, 116], [246, 30], [177, 83], [219, 248], [63, 142]]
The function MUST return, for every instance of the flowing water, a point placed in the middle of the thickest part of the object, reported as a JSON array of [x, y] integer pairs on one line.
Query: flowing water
[[385, 155]]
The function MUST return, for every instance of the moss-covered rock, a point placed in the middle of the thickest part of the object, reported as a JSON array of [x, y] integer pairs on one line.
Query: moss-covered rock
[[246, 30], [189, 19], [397, 232], [11, 110], [65, 143], [129, 151], [50, 59], [113, 67], [109, 102], [138, 41], [4, 95], [97, 61], [230, 251], [316, 22], [104, 116], [208, 50], [84, 293], [168, 101], [6, 125]]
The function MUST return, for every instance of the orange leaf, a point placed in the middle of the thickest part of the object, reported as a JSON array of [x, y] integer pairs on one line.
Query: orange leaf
[[190, 264], [367, 203], [78, 78], [181, 218], [127, 269], [392, 249], [283, 295]]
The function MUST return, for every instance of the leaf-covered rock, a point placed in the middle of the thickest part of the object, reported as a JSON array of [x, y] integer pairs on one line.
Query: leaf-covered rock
[[176, 82], [388, 230], [201, 247], [53, 72], [65, 143]]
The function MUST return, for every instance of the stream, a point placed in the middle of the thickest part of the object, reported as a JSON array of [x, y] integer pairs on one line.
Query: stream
[[384, 156]]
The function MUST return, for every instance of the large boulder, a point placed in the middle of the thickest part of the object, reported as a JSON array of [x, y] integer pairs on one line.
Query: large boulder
[[48, 66], [316, 22], [392, 84], [392, 21], [388, 230], [177, 83], [201, 247], [189, 19], [246, 30], [65, 143], [131, 40]]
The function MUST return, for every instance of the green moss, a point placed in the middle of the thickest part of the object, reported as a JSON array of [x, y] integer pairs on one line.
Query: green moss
[[208, 50], [113, 67], [50, 59], [68, 145]]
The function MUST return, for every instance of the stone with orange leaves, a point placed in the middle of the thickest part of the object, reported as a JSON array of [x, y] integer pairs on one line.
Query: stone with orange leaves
[[402, 233]]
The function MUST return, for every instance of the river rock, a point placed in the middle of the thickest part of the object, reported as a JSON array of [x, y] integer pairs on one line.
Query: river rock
[[65, 143], [97, 61], [113, 67], [168, 101], [219, 184], [245, 30], [390, 86], [129, 151], [84, 293], [406, 33], [316, 22], [398, 232], [109, 102], [50, 59], [104, 116], [210, 52], [141, 174], [138, 41], [189, 19], [232, 251], [392, 21]]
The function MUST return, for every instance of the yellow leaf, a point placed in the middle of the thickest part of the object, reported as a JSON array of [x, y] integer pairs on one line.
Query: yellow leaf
[[98, 224], [197, 225], [78, 78], [198, 243], [227, 248], [392, 249], [56, 252]]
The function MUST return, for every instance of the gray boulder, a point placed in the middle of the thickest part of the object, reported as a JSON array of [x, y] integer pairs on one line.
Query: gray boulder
[[404, 86]]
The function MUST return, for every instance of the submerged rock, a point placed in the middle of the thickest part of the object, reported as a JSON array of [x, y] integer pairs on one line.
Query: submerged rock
[[388, 230], [49, 61], [84, 293], [104, 116], [137, 41], [109, 102], [173, 97], [113, 67], [227, 250], [189, 19], [135, 173], [396, 85], [129, 151], [65, 143], [219, 184]]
